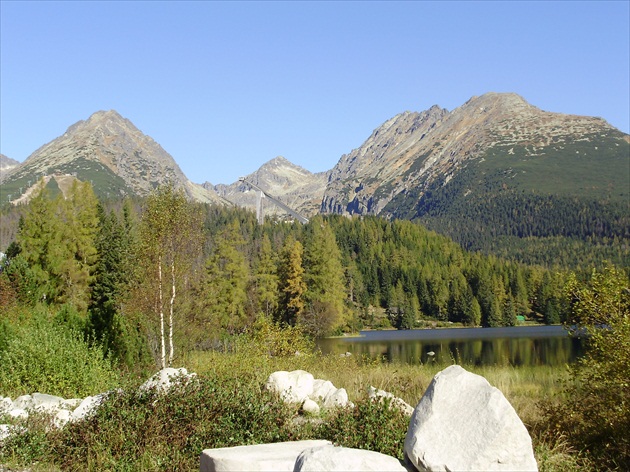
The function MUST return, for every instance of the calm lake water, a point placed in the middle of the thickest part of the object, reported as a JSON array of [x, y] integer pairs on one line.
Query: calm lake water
[[517, 346]]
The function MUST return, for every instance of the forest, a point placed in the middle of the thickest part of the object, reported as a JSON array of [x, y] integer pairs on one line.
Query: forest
[[143, 275]]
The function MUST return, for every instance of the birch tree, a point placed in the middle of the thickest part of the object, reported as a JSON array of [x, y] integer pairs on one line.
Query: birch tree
[[170, 238]]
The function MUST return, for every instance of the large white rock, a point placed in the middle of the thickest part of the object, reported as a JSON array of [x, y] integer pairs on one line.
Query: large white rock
[[463, 423], [375, 394], [293, 387], [163, 380], [278, 457], [342, 459]]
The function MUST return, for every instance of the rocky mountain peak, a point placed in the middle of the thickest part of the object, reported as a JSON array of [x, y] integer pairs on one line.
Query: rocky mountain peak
[[6, 164], [112, 152], [411, 151]]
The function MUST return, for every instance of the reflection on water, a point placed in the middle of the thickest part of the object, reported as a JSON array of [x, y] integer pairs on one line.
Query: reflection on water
[[517, 346]]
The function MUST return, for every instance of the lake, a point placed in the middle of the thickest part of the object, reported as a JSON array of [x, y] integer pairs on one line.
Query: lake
[[517, 346]]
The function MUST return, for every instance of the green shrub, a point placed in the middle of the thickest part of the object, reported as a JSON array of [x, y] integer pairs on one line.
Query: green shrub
[[168, 432], [594, 411], [41, 356], [272, 339], [373, 426]]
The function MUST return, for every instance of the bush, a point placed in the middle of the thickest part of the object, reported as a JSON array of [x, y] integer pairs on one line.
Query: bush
[[594, 414], [373, 426], [272, 339], [148, 431], [40, 356]]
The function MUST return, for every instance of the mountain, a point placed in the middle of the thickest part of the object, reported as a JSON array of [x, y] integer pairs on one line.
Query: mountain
[[6, 165], [494, 167], [296, 187], [109, 151]]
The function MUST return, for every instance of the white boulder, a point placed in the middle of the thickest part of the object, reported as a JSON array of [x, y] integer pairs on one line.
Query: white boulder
[[163, 380], [293, 387], [463, 423], [18, 413], [338, 399], [342, 459], [322, 389], [311, 407], [44, 403], [87, 407], [278, 457], [61, 418], [375, 394]]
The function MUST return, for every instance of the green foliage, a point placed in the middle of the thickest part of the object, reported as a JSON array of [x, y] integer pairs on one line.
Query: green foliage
[[595, 413], [43, 356], [168, 432], [57, 240], [324, 278], [271, 339], [226, 280], [291, 282], [370, 425], [169, 243]]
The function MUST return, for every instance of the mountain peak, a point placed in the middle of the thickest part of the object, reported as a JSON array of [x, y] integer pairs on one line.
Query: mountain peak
[[110, 150]]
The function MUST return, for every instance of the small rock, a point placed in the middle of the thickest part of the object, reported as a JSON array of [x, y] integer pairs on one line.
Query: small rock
[[6, 405], [311, 407], [61, 418], [25, 402], [293, 387], [379, 395], [163, 380], [338, 399]]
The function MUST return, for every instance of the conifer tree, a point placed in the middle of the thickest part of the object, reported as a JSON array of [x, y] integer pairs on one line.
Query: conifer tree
[[324, 276], [266, 278], [227, 277], [291, 282]]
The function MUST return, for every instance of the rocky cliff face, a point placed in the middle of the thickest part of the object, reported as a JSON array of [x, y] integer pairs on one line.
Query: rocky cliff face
[[6, 165], [291, 184], [110, 151], [413, 151]]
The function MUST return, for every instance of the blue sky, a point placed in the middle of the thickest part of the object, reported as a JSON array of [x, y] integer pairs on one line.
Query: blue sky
[[226, 86]]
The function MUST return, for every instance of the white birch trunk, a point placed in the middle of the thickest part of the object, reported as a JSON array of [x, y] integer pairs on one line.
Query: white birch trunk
[[170, 317], [161, 308]]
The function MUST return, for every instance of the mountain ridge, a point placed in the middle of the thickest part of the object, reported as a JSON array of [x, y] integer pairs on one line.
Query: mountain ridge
[[108, 150]]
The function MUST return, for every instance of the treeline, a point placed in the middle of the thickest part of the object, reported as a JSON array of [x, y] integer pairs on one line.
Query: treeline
[[497, 216], [145, 276]]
